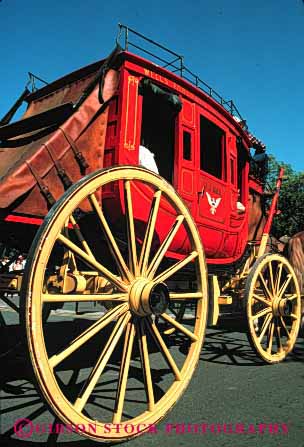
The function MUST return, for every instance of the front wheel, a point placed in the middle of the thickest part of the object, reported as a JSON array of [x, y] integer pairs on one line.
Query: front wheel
[[273, 304], [121, 374]]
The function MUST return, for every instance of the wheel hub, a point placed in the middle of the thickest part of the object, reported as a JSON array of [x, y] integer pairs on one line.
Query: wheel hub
[[147, 297], [282, 307]]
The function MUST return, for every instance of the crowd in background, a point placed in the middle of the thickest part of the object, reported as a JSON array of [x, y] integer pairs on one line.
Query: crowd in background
[[16, 265]]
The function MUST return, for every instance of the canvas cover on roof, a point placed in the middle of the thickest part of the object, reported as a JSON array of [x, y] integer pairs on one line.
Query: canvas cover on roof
[[83, 97]]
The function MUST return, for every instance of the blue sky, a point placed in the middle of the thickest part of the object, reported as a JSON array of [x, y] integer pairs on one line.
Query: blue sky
[[250, 51]]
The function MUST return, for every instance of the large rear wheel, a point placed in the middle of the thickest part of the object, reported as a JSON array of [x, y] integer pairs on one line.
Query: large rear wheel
[[121, 374]]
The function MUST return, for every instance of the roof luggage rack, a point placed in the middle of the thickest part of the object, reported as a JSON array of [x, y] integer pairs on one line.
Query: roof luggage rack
[[175, 64]]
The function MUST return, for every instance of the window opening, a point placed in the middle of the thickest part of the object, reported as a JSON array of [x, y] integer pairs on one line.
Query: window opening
[[187, 146], [159, 113], [232, 171], [242, 158], [212, 148]]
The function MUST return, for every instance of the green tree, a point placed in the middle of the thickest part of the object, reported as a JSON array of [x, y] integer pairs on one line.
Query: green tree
[[291, 200]]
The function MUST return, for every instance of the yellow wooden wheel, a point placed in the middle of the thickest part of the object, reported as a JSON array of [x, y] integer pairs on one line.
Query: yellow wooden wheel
[[273, 307], [118, 376]]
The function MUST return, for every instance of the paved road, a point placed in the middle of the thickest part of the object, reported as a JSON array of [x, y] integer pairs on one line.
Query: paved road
[[230, 387]]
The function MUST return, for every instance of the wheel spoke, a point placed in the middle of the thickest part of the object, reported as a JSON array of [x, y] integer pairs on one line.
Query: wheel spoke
[[88, 334], [145, 251], [92, 262], [284, 286], [176, 267], [262, 312], [124, 372], [74, 298], [265, 326], [266, 289], [179, 326], [163, 348], [80, 237], [261, 299], [130, 229], [292, 297], [270, 340], [68, 261], [121, 265], [144, 357], [177, 296], [102, 362], [164, 247], [278, 278], [285, 327], [271, 278], [278, 337]]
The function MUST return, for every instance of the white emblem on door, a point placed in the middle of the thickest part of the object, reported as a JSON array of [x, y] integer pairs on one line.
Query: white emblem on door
[[214, 203]]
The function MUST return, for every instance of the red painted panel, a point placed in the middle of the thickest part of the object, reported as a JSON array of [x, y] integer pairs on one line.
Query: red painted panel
[[109, 158], [212, 240], [23, 219], [111, 138], [213, 206], [131, 109], [229, 245], [141, 199], [188, 112], [187, 181]]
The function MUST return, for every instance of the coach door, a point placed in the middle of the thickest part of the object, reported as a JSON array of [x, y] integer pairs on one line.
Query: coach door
[[186, 177], [160, 109], [213, 190]]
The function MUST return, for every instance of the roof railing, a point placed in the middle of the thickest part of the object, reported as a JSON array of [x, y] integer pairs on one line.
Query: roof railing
[[175, 65], [32, 82]]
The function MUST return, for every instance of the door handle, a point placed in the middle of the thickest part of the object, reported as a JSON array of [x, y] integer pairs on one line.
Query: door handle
[[201, 193]]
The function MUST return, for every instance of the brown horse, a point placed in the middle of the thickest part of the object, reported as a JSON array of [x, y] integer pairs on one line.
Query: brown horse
[[292, 248], [256, 223], [257, 216], [295, 253]]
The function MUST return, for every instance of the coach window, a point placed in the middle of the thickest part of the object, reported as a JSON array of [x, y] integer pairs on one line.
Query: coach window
[[232, 171], [160, 108], [242, 156], [187, 146], [212, 148]]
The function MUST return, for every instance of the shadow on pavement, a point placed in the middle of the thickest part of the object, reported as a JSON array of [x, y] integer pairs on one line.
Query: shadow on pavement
[[225, 344], [21, 400]]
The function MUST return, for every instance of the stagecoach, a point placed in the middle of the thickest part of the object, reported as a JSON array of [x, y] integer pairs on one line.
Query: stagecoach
[[157, 255]]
